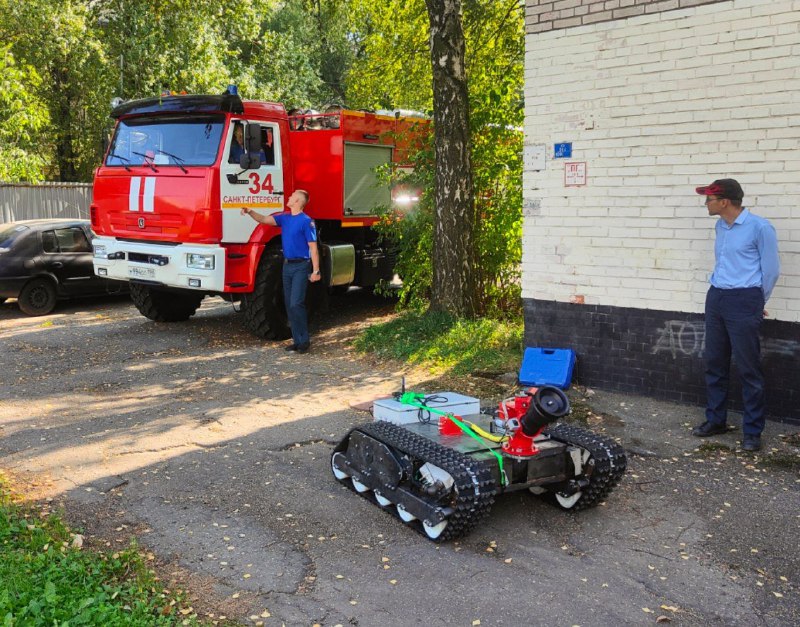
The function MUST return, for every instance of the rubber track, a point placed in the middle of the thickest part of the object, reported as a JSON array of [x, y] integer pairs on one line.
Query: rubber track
[[474, 486], [609, 459]]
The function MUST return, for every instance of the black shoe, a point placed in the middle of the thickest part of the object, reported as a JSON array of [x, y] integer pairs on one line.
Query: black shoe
[[751, 443], [707, 428], [303, 348], [291, 347]]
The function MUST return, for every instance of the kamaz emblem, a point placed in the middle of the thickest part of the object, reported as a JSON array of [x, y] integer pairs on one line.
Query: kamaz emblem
[[141, 223]]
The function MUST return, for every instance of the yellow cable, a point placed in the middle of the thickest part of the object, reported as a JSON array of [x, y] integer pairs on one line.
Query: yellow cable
[[485, 434]]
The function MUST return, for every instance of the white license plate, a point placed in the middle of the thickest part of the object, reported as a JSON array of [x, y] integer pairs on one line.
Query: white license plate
[[142, 273]]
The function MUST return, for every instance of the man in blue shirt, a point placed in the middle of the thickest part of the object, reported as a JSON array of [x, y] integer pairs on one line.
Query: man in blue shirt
[[300, 262], [746, 269]]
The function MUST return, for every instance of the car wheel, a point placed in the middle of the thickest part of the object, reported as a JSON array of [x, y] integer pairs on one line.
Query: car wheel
[[38, 297]]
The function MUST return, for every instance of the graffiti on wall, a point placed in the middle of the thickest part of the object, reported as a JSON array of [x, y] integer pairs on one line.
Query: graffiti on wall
[[687, 338], [680, 337]]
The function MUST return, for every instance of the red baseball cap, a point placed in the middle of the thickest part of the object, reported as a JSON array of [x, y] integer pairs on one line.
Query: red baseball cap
[[724, 188]]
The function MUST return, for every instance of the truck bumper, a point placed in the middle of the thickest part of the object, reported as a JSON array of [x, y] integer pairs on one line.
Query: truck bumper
[[160, 264]]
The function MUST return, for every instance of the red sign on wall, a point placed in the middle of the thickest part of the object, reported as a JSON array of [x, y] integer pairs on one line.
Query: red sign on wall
[[574, 173]]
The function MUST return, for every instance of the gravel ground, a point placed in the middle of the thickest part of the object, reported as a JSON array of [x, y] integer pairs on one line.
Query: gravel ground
[[212, 449]]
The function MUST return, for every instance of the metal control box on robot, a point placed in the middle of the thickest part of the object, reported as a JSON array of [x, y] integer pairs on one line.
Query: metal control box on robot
[[398, 413]]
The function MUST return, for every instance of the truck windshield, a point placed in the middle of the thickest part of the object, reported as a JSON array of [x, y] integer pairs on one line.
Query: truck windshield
[[167, 141]]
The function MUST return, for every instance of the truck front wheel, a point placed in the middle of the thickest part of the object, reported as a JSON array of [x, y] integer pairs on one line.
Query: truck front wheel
[[263, 308], [165, 306]]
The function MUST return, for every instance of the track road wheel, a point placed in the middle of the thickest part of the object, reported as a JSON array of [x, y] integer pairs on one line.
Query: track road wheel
[[38, 297], [404, 514], [360, 487], [165, 306], [434, 531], [339, 474], [382, 500], [567, 501], [264, 309]]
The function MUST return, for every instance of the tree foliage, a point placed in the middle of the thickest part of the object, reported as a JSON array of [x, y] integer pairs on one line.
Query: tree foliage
[[55, 37], [22, 118], [71, 57]]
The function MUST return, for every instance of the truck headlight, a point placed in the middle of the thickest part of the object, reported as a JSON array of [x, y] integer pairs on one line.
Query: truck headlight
[[200, 262], [100, 251]]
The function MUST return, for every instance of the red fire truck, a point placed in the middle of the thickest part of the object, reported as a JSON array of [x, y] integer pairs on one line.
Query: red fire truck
[[168, 196]]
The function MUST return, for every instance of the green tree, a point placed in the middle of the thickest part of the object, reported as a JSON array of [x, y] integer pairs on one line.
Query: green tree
[[321, 31], [22, 117], [295, 52], [166, 44], [392, 66], [57, 38]]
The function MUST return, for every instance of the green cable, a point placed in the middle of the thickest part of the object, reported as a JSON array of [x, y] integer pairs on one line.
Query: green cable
[[410, 398]]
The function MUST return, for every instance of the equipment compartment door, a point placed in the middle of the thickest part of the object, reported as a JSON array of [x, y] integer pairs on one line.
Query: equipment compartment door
[[260, 189], [363, 192]]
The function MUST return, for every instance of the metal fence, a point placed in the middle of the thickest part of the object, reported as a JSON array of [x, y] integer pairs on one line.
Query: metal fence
[[26, 201]]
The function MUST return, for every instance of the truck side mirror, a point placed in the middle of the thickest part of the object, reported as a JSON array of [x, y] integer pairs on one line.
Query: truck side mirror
[[250, 161], [253, 138]]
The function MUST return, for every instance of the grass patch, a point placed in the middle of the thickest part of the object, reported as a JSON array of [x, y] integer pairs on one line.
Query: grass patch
[[446, 344], [48, 580], [709, 448], [579, 412], [792, 439], [782, 461]]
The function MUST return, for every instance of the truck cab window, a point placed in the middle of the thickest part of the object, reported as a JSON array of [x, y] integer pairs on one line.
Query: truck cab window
[[267, 146], [237, 143]]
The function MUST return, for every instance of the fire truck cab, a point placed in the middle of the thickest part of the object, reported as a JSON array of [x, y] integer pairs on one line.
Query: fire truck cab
[[168, 197]]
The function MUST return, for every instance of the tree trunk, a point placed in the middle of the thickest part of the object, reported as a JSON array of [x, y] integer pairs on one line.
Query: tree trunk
[[453, 288], [65, 155]]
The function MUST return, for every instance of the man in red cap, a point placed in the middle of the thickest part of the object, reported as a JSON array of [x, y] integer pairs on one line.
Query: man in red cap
[[745, 271]]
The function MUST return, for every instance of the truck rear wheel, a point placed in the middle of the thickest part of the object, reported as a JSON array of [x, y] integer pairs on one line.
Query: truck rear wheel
[[264, 309], [165, 306]]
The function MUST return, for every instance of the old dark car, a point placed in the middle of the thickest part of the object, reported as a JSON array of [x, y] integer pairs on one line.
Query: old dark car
[[42, 261]]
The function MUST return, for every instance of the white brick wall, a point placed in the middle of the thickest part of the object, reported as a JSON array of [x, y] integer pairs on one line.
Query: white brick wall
[[657, 105]]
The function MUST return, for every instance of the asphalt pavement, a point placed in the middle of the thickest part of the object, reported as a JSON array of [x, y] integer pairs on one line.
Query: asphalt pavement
[[212, 449]]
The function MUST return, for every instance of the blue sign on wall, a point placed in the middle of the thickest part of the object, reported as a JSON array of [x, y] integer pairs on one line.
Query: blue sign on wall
[[563, 151]]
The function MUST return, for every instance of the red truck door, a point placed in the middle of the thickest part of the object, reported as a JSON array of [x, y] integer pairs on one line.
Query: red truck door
[[260, 189]]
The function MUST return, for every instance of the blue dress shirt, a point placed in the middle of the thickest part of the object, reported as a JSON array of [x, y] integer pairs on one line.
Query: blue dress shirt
[[746, 254]]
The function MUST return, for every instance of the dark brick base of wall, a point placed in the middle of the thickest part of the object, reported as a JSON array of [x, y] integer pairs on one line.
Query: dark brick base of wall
[[659, 353]]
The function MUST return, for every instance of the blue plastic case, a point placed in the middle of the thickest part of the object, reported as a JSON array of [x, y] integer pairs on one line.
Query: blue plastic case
[[547, 366]]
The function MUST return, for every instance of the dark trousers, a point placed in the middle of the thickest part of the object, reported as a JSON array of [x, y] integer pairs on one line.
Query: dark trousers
[[733, 321], [295, 283]]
